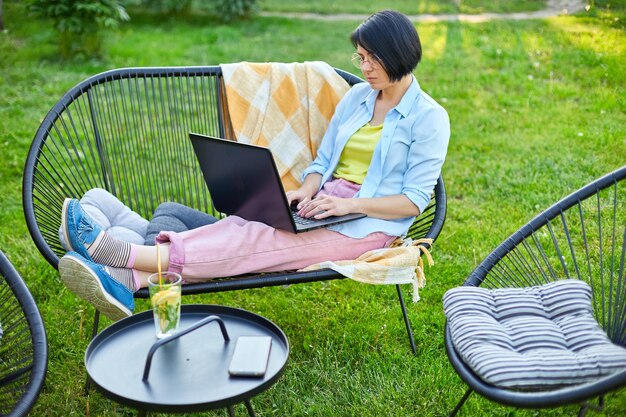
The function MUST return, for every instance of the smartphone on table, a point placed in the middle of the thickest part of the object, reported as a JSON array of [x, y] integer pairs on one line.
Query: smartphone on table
[[250, 356]]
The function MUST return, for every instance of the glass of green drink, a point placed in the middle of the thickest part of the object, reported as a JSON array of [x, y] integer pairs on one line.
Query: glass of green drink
[[165, 296]]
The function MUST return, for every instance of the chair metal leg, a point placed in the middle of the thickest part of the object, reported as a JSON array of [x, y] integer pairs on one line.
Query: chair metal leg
[[96, 321], [586, 406], [94, 333], [407, 323], [460, 403]]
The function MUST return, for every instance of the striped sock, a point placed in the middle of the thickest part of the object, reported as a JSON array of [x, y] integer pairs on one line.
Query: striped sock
[[110, 251], [124, 276]]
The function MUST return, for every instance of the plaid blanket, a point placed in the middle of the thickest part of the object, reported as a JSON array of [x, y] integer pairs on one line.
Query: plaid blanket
[[285, 107], [401, 263]]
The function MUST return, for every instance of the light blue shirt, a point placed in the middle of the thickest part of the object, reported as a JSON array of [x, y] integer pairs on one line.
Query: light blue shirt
[[407, 159]]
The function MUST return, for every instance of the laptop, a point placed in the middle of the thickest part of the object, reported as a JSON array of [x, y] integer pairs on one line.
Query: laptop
[[243, 180]]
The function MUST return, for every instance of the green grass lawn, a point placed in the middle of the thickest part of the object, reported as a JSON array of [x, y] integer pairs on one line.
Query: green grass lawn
[[537, 110]]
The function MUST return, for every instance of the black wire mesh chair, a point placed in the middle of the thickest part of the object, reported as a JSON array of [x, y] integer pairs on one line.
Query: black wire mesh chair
[[583, 236], [23, 344], [125, 131]]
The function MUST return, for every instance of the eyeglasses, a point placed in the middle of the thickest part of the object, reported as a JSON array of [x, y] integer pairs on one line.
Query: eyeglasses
[[358, 61]]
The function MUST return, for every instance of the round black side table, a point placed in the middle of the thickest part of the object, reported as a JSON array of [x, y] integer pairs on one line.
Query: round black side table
[[188, 371]]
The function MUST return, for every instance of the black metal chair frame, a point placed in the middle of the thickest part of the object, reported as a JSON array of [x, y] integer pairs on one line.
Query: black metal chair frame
[[23, 347], [77, 147], [512, 264]]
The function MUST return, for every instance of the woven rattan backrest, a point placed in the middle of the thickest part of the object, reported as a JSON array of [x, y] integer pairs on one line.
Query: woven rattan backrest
[[583, 236], [125, 131], [23, 344]]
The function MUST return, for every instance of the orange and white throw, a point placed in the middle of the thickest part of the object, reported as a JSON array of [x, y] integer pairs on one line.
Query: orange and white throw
[[399, 264], [285, 107]]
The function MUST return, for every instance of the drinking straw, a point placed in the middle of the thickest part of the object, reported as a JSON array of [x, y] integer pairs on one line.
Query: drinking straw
[[159, 264]]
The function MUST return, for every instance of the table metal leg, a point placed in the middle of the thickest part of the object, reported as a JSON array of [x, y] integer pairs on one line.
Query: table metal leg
[[250, 410], [231, 410]]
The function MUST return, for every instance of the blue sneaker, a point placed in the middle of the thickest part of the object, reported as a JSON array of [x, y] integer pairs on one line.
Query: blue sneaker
[[91, 282], [77, 227]]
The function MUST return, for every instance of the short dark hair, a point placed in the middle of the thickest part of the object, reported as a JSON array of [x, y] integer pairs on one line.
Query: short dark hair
[[392, 38]]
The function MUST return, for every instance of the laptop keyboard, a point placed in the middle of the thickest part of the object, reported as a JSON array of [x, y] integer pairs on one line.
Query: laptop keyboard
[[303, 220]]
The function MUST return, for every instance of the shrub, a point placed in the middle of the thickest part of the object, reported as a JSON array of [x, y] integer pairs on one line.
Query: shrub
[[79, 23], [227, 10], [166, 6]]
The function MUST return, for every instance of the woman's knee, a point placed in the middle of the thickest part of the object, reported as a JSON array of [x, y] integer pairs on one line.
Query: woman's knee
[[188, 216]]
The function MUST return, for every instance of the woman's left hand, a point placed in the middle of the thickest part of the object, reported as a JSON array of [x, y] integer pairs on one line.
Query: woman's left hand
[[324, 206]]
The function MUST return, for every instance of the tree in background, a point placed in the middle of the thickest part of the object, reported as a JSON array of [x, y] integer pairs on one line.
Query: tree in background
[[80, 23], [1, 18]]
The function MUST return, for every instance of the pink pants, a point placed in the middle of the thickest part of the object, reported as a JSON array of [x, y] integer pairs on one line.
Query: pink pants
[[234, 246]]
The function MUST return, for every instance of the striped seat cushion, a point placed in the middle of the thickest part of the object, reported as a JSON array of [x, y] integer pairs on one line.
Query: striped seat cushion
[[533, 337]]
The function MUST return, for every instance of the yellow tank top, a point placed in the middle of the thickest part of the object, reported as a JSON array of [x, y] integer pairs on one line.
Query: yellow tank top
[[357, 154]]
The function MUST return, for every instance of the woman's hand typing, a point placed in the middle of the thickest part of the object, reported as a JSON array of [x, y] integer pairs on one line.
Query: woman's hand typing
[[305, 193], [324, 206]]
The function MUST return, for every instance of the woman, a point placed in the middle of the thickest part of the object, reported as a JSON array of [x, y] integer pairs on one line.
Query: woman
[[381, 155]]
